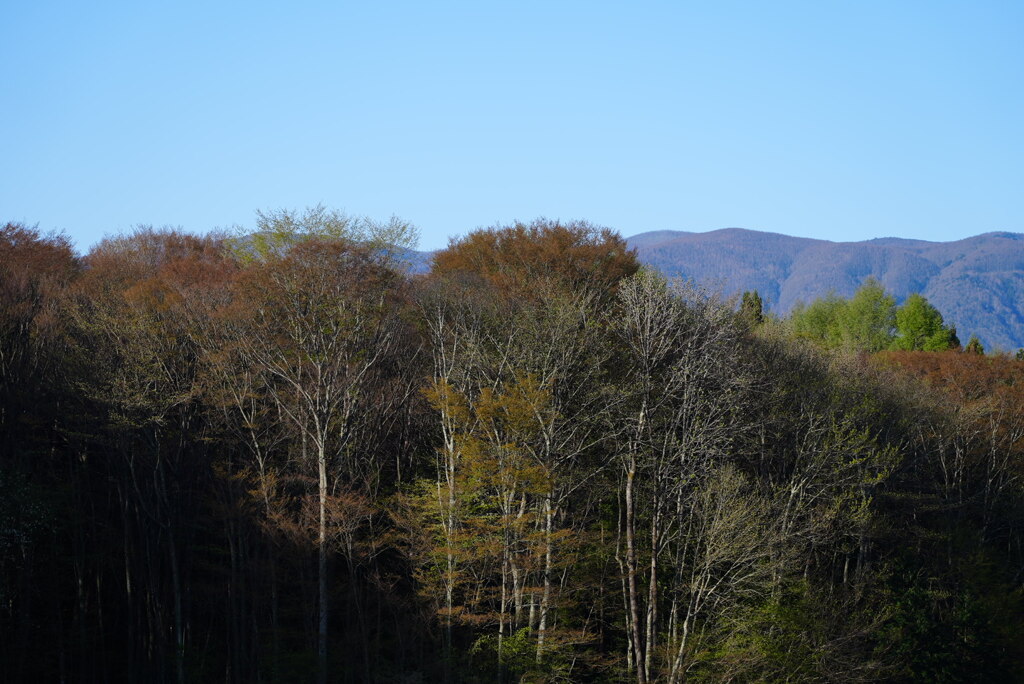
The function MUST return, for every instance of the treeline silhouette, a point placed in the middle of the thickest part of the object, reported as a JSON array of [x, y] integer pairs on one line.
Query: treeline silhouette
[[279, 457]]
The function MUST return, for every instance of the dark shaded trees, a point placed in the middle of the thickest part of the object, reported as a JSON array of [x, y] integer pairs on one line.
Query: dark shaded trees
[[139, 367], [751, 309], [518, 310], [320, 324], [967, 521], [35, 271], [278, 457]]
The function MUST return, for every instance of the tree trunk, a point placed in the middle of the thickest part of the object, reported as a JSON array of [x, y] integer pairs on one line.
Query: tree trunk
[[546, 597], [652, 595], [179, 631], [322, 567], [634, 598]]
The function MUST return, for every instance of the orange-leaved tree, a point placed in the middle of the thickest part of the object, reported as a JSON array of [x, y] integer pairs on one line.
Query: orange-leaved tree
[[489, 541], [521, 257]]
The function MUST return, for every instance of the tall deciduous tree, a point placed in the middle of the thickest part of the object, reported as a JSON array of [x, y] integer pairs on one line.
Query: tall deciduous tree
[[685, 385], [819, 321], [869, 318], [278, 230], [34, 270], [322, 325], [525, 302], [865, 322]]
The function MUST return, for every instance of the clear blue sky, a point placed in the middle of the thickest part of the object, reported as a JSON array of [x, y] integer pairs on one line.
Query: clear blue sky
[[838, 120]]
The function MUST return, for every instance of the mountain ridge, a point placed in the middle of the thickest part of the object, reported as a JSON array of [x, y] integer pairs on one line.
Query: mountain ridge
[[977, 282]]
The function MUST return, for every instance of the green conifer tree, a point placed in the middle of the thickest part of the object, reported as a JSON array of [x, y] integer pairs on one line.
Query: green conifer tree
[[752, 309], [974, 346]]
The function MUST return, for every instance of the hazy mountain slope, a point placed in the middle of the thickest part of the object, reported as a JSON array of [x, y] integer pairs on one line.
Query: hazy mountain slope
[[978, 282], [731, 259]]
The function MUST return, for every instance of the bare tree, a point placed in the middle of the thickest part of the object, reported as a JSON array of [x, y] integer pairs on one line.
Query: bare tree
[[684, 383], [321, 325]]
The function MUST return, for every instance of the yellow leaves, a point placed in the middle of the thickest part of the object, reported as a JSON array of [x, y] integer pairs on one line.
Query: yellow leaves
[[496, 435], [485, 509], [521, 408], [449, 401]]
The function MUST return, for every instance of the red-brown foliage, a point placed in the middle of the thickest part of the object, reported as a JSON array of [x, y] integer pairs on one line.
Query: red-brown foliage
[[176, 258], [964, 377], [522, 258], [34, 269]]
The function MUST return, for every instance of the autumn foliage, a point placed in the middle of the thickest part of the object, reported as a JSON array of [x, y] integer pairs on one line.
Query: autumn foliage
[[282, 458], [519, 258]]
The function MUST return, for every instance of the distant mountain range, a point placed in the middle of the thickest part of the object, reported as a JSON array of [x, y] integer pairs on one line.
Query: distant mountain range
[[977, 283]]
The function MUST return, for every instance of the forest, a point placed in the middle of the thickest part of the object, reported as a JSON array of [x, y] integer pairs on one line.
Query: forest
[[278, 456]]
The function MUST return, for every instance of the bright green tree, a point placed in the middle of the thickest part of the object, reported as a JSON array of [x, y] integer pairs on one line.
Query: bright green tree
[[866, 321], [278, 230], [919, 327], [869, 319], [819, 321]]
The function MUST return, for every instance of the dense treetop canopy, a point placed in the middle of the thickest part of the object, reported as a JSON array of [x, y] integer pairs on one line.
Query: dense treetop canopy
[[519, 257], [870, 321]]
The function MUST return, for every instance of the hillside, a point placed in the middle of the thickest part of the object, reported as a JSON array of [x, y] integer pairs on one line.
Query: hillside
[[977, 283], [295, 467]]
